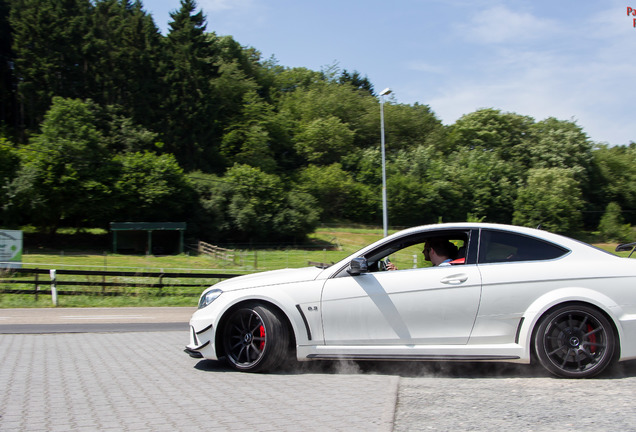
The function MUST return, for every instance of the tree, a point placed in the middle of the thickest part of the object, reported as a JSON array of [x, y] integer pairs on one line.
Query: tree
[[338, 195], [612, 226], [614, 178], [9, 165], [247, 141], [408, 127], [123, 135], [324, 140], [190, 129], [485, 183], [48, 45], [150, 188], [209, 219], [287, 80], [356, 81], [325, 100], [561, 144], [551, 198], [507, 134], [8, 101], [65, 175], [261, 210], [8, 161], [419, 190], [236, 81], [123, 49]]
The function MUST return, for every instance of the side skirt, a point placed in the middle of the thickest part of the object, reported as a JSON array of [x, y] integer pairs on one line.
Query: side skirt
[[412, 357]]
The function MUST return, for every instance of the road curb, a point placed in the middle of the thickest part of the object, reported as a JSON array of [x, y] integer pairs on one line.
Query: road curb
[[390, 410]]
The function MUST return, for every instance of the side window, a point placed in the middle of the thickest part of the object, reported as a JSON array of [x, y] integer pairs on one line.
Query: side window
[[408, 252], [499, 246]]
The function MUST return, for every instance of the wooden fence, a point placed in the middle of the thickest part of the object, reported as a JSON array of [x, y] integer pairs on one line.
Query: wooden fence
[[110, 283], [215, 251]]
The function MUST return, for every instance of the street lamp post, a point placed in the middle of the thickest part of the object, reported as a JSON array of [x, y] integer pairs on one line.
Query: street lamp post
[[385, 216]]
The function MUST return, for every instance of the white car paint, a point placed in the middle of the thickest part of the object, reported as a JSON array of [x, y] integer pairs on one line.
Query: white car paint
[[471, 311], [388, 308]]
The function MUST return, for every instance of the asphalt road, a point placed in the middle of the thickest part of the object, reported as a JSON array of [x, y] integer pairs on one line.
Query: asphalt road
[[82, 320], [90, 378]]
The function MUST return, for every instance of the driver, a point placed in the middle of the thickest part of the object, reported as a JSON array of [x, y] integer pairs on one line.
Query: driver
[[439, 251]]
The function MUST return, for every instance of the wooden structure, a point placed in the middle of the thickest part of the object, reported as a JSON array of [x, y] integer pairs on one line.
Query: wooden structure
[[135, 242]]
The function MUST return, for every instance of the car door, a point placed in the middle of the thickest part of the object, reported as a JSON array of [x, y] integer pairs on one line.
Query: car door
[[434, 305], [516, 269]]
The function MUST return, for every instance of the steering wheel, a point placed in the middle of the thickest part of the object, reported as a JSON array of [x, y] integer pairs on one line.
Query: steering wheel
[[383, 263]]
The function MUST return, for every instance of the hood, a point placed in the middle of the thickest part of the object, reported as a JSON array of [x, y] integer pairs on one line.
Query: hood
[[273, 277]]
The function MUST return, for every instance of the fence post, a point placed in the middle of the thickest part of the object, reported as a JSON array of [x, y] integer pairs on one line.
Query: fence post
[[104, 276], [53, 286]]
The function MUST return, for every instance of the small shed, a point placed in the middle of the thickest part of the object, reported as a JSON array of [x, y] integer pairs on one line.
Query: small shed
[[151, 238]]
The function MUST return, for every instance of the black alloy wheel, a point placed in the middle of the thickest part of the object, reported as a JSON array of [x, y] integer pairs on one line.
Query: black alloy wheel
[[575, 341], [255, 339]]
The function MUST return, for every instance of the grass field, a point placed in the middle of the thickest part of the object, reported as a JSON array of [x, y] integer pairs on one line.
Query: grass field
[[327, 245]]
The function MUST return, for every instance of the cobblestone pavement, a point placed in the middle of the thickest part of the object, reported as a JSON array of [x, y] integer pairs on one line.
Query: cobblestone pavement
[[142, 381], [145, 382], [494, 398]]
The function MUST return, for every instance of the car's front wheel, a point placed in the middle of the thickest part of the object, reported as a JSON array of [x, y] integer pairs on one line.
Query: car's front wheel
[[255, 339], [575, 341]]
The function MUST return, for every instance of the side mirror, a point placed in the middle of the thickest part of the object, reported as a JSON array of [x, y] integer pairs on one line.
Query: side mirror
[[358, 265], [626, 247]]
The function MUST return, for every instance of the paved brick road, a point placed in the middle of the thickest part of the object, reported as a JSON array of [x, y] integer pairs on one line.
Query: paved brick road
[[142, 381]]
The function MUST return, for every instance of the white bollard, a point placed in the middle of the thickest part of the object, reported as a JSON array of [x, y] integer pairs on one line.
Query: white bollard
[[414, 261], [53, 287]]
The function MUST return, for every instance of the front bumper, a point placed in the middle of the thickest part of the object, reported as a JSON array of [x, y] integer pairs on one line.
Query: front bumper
[[201, 343], [192, 352]]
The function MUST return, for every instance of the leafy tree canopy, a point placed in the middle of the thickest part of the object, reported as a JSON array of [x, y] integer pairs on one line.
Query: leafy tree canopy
[[102, 117], [551, 199]]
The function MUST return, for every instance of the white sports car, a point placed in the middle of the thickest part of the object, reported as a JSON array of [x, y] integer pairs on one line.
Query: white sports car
[[508, 294]]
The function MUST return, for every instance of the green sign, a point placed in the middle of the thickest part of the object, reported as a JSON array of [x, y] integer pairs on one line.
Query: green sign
[[10, 249]]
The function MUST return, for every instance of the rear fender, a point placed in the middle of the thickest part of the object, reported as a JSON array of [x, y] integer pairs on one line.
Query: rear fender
[[533, 314]]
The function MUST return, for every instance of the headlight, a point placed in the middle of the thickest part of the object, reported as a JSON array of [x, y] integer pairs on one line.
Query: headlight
[[209, 297]]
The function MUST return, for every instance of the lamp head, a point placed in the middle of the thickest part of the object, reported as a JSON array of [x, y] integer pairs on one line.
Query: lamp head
[[386, 91]]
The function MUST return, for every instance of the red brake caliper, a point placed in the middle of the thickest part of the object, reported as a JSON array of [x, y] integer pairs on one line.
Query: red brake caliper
[[261, 330], [592, 338]]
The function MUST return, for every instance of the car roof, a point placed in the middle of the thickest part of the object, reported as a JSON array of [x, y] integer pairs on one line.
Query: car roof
[[561, 240], [577, 248]]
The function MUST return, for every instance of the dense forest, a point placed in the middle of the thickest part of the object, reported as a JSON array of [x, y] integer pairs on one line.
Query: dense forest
[[103, 118]]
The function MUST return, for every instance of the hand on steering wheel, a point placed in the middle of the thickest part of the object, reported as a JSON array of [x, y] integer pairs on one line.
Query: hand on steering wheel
[[386, 264]]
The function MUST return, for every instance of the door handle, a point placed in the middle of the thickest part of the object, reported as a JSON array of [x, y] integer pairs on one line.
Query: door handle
[[455, 279]]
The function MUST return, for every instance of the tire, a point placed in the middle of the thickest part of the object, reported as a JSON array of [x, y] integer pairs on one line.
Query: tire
[[575, 341], [255, 339]]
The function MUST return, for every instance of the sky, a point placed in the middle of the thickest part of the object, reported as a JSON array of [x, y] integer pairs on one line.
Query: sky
[[572, 60]]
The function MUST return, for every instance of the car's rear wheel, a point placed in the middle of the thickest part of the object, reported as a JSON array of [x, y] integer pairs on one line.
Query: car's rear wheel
[[575, 341], [255, 339]]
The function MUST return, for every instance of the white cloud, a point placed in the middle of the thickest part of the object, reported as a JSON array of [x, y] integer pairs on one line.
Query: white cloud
[[593, 93], [571, 69], [422, 66], [225, 5], [500, 24]]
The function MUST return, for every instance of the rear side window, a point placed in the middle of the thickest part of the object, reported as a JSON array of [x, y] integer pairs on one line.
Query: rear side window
[[500, 246]]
